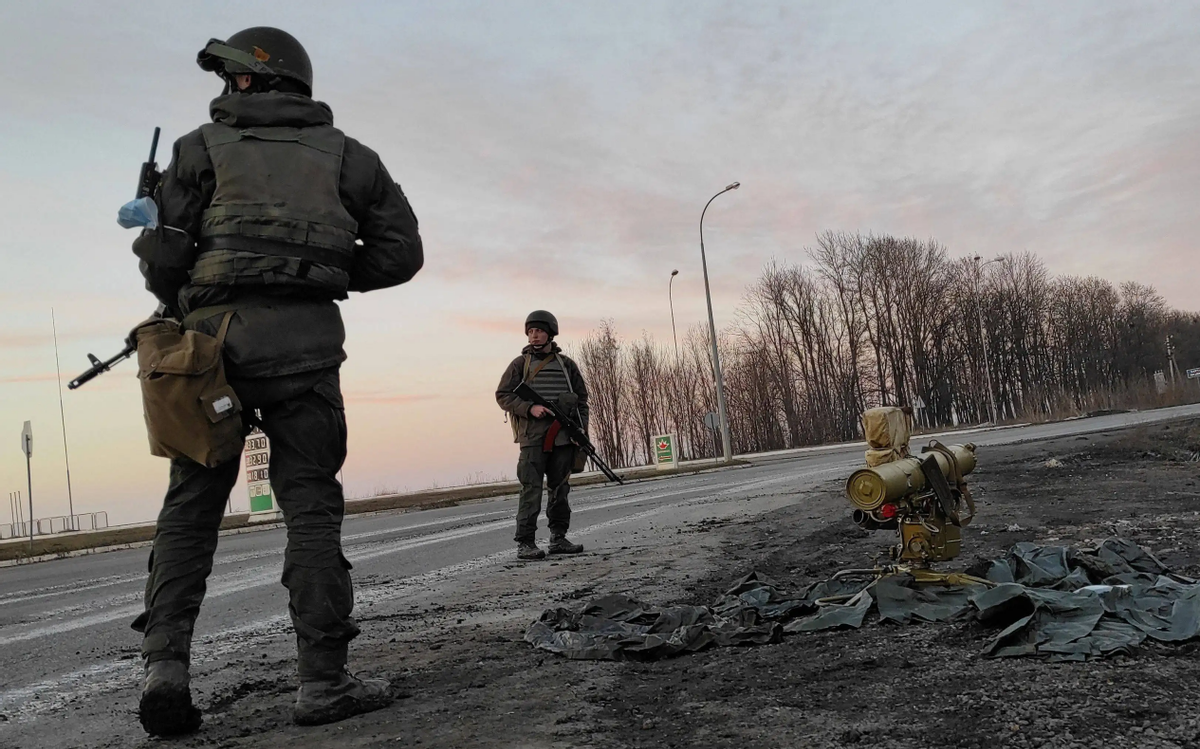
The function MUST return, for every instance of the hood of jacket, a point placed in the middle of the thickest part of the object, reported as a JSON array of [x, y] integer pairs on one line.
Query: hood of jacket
[[270, 108]]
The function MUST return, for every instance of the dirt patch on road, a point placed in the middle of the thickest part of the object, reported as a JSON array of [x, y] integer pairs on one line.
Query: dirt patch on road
[[927, 685], [469, 680]]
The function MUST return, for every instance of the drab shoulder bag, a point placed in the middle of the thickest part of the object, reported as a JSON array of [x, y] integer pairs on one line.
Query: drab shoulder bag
[[191, 411]]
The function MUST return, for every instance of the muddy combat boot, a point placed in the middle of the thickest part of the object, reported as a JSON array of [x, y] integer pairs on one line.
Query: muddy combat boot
[[331, 700], [166, 706], [529, 551], [562, 545]]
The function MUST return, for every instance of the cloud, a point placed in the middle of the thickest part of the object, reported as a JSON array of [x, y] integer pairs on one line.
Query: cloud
[[31, 378], [558, 156], [384, 398], [486, 324]]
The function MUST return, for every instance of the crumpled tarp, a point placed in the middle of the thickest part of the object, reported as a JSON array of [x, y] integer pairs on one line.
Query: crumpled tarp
[[1073, 605], [1053, 601], [617, 627]]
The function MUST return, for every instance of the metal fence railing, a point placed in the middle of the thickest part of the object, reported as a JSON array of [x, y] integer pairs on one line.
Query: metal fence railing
[[88, 521]]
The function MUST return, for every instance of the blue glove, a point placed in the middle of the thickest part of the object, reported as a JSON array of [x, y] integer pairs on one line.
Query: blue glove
[[140, 212]]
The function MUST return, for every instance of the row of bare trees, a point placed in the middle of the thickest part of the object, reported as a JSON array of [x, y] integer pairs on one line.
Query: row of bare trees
[[877, 320]]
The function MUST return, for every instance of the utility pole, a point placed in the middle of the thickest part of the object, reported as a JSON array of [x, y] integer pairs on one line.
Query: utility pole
[[62, 415], [987, 365], [1171, 360]]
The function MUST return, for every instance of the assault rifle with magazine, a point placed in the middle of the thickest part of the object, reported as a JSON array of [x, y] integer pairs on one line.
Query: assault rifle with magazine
[[572, 428]]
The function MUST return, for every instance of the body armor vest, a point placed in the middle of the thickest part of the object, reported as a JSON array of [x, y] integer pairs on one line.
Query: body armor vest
[[551, 379], [277, 195]]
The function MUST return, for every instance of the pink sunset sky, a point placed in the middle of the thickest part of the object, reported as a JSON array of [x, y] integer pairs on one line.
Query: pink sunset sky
[[557, 156]]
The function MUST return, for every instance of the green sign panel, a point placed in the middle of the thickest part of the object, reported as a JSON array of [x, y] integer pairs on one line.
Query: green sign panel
[[258, 482], [665, 455], [262, 501]]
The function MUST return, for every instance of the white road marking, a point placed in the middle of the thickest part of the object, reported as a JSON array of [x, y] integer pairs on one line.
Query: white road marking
[[28, 702], [124, 607]]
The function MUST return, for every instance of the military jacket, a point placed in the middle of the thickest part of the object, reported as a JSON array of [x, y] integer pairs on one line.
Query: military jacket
[[271, 209], [549, 379]]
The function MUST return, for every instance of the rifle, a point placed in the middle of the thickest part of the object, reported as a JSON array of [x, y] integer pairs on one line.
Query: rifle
[[574, 430], [147, 180], [100, 367], [149, 176]]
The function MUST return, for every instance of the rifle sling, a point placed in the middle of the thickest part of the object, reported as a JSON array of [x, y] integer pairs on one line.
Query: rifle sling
[[541, 365], [203, 313]]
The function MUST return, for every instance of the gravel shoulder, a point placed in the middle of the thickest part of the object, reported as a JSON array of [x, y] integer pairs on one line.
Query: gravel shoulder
[[926, 685]]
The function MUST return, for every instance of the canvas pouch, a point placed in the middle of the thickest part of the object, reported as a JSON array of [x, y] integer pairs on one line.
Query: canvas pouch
[[191, 411]]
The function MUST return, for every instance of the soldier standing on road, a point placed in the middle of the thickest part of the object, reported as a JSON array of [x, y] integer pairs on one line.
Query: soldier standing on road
[[546, 451], [272, 214]]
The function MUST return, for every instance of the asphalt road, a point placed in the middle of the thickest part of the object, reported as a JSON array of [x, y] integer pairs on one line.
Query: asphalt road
[[66, 645]]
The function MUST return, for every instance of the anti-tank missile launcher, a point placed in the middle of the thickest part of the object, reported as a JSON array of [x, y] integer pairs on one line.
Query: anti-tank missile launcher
[[922, 497]]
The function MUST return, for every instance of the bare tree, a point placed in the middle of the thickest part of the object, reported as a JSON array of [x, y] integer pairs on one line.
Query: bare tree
[[885, 320]]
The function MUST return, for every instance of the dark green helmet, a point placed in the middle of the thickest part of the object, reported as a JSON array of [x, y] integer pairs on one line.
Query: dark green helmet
[[262, 50], [540, 318]]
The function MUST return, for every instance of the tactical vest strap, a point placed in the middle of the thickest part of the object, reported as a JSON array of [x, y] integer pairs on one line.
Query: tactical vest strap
[[321, 255], [270, 211], [268, 222]]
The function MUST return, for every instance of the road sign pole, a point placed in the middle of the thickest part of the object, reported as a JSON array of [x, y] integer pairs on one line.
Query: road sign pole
[[29, 478], [27, 448]]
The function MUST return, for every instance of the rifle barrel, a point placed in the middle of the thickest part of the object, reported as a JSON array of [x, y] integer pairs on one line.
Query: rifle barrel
[[100, 367], [154, 144]]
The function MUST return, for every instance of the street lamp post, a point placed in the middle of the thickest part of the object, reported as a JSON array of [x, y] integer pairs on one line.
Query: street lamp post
[[671, 301], [712, 331], [677, 378], [987, 365]]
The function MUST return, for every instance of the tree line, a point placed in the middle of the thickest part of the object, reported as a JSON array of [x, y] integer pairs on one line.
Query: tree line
[[879, 320]]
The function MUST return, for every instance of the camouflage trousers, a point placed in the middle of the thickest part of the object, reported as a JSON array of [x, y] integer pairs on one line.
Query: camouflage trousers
[[555, 467], [302, 416]]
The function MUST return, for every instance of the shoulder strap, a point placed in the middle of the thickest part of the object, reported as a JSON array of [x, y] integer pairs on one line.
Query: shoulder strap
[[203, 313], [224, 329], [567, 364], [538, 368]]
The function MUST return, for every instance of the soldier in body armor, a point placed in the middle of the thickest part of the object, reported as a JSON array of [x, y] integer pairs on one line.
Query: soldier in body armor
[[546, 452], [268, 216]]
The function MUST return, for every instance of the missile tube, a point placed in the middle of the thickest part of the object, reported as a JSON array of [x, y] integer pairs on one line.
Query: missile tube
[[868, 488]]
